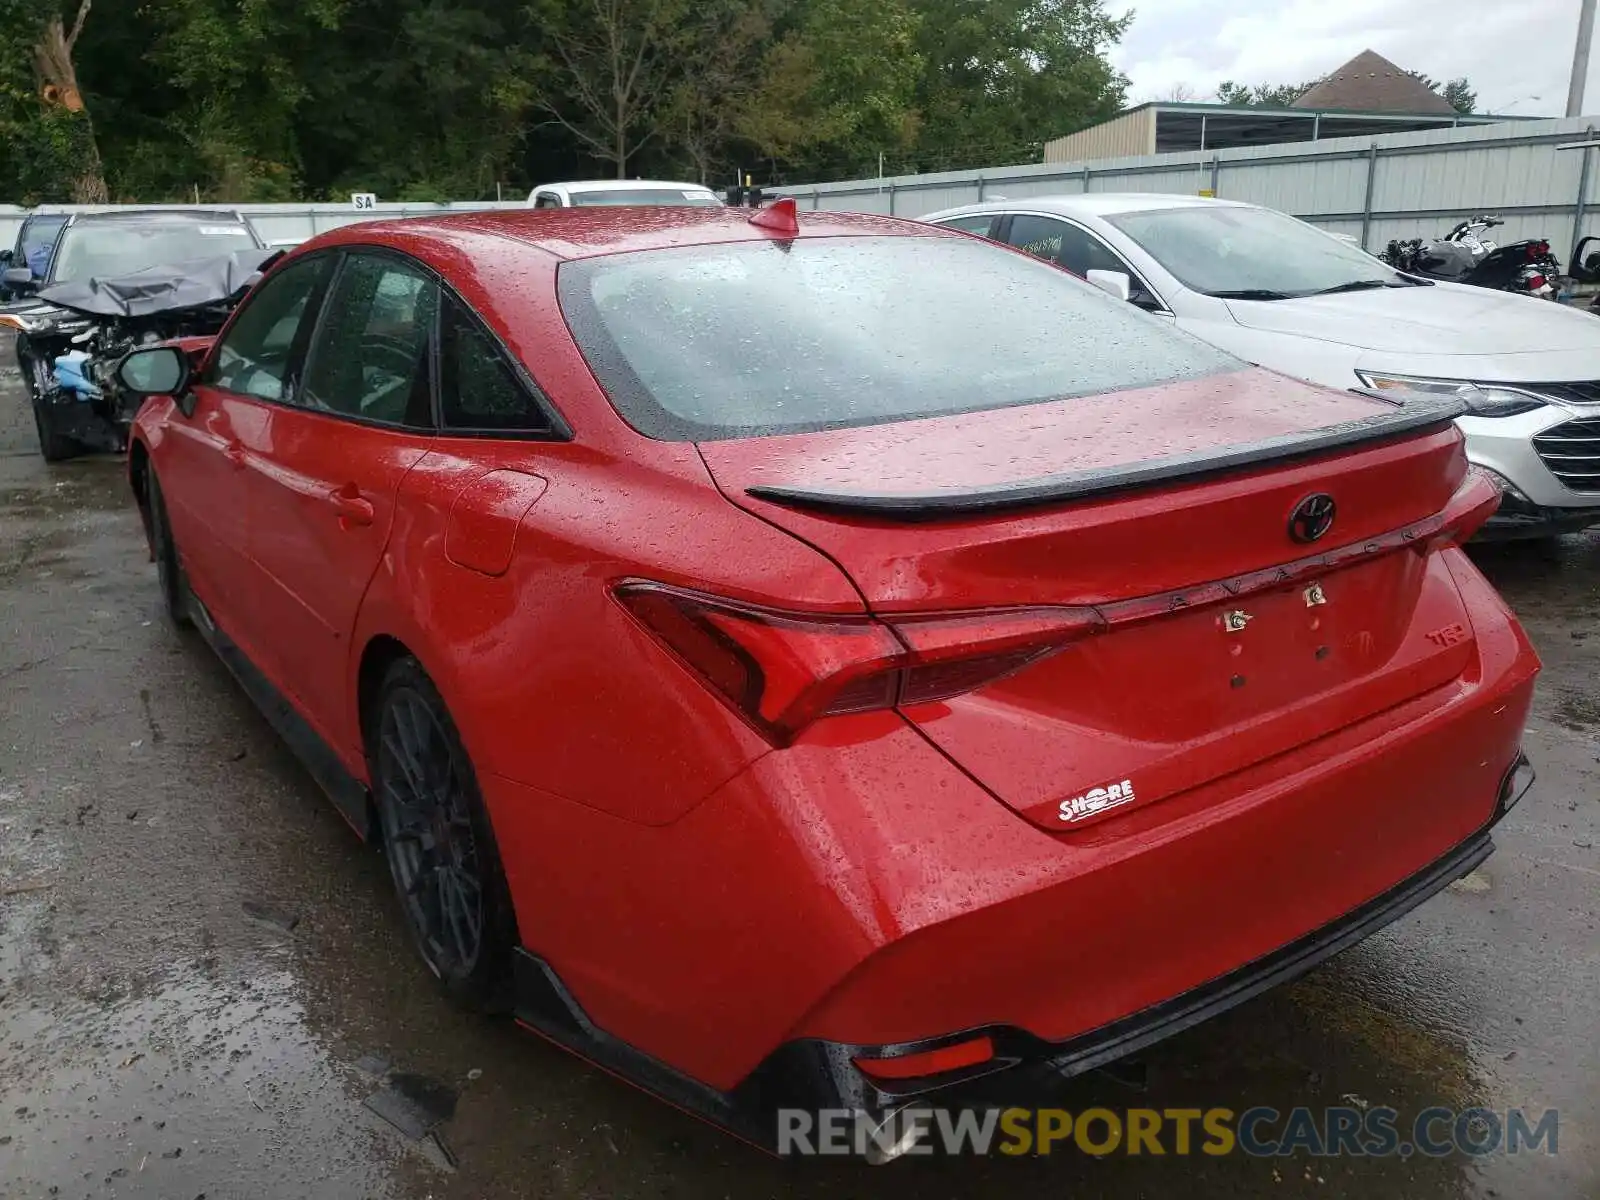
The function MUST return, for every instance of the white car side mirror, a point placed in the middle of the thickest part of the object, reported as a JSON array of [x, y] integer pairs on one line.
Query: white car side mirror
[[1114, 283]]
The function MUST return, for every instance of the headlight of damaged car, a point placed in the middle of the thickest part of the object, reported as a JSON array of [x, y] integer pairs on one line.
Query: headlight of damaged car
[[1483, 399], [25, 324]]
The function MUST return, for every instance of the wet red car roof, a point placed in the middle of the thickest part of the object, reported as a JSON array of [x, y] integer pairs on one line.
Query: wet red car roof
[[586, 232]]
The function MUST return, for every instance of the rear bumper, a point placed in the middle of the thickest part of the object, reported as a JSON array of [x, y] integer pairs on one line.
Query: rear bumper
[[812, 1074], [856, 895], [1018, 1048]]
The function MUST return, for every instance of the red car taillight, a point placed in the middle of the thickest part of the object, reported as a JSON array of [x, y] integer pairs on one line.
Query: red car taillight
[[781, 671]]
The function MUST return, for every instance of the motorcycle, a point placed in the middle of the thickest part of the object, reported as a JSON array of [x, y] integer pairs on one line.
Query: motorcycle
[[1465, 255]]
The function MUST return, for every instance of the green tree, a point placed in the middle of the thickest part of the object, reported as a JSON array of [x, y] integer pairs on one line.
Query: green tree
[[1000, 77], [241, 100], [610, 71], [1275, 95], [1458, 92], [839, 88], [416, 99], [1262, 95], [1462, 97], [239, 71], [49, 137], [709, 107]]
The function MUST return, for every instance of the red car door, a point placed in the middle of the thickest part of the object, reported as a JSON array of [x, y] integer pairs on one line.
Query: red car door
[[205, 498], [202, 458], [323, 472]]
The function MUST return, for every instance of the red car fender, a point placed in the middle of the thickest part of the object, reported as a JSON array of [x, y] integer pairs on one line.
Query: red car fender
[[144, 444], [387, 615]]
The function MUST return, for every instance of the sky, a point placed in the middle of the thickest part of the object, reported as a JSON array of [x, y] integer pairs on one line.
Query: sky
[[1511, 50]]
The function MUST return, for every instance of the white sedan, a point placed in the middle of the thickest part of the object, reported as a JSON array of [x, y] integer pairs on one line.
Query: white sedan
[[590, 193], [1283, 294]]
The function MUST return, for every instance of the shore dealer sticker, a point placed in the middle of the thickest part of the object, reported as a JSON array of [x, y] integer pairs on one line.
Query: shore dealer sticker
[[1097, 800]]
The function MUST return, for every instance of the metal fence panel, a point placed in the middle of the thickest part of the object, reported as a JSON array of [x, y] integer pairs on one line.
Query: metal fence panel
[[1325, 186], [1397, 185], [1057, 184]]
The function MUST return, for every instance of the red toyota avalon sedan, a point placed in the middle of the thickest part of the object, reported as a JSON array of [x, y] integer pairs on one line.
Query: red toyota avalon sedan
[[820, 660]]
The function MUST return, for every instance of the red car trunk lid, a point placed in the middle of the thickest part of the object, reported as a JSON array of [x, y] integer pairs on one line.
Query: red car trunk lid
[[1171, 511]]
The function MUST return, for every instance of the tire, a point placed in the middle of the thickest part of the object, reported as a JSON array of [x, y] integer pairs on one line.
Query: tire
[[438, 841], [169, 566], [53, 447]]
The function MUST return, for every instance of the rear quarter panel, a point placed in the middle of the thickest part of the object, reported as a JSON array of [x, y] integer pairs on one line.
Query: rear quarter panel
[[550, 681]]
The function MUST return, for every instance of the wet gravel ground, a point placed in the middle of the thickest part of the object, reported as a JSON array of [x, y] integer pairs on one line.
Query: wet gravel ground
[[203, 976]]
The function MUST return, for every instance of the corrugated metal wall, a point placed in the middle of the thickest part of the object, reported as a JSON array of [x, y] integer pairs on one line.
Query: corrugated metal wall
[[1400, 185], [1130, 134]]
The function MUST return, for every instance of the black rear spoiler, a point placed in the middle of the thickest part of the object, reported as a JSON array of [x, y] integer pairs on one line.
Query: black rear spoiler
[[1417, 414]]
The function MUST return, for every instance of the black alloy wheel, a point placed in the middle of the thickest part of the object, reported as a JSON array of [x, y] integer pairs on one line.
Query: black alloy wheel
[[437, 839]]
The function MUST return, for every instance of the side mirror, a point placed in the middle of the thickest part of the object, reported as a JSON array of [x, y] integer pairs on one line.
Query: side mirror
[[17, 277], [1113, 283], [158, 371]]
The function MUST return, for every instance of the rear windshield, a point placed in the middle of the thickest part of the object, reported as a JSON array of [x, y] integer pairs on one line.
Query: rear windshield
[[657, 197], [706, 342]]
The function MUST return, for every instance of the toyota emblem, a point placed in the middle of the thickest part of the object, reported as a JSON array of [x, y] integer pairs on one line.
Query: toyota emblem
[[1312, 518]]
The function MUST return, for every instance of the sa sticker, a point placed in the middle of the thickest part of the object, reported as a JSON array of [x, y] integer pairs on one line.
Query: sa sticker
[[1096, 801]]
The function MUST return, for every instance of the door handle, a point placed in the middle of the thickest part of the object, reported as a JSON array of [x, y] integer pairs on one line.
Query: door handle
[[233, 452], [352, 508]]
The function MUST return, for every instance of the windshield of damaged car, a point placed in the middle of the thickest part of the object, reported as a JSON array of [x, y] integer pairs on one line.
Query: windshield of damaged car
[[746, 339], [108, 249]]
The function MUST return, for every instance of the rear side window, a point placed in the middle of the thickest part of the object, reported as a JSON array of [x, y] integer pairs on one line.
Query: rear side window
[[980, 223], [1047, 238], [738, 340], [479, 390]]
